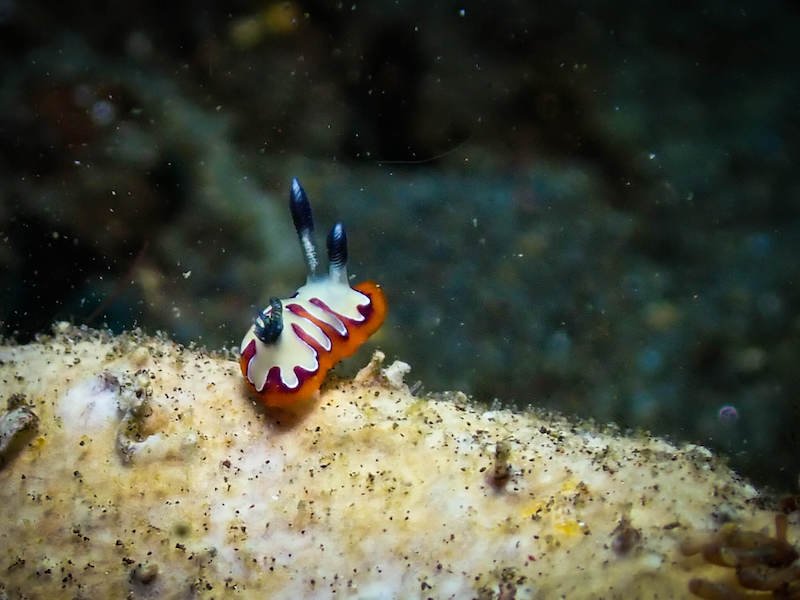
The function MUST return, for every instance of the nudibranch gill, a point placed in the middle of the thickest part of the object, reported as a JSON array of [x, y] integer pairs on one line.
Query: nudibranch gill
[[294, 342]]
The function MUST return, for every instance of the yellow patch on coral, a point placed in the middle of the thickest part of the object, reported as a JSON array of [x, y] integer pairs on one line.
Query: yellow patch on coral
[[532, 508], [568, 528]]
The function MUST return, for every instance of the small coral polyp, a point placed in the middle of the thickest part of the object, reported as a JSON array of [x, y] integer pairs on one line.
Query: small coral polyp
[[294, 342], [761, 563]]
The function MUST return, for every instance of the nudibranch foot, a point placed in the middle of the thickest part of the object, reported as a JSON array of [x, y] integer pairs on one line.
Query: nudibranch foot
[[294, 342]]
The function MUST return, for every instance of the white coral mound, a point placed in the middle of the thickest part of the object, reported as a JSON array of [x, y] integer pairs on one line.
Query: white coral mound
[[149, 470]]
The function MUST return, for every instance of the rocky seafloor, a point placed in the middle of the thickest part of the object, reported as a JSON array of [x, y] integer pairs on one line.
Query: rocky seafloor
[[133, 466]]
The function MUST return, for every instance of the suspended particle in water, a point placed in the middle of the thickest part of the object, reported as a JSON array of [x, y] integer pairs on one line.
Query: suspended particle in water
[[728, 415]]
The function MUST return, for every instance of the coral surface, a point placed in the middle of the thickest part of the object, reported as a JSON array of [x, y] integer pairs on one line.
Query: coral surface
[[133, 466]]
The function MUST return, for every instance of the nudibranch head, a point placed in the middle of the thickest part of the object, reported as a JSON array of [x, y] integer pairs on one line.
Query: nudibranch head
[[294, 342]]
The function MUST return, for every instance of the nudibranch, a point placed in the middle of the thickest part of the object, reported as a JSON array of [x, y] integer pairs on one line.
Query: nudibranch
[[294, 342]]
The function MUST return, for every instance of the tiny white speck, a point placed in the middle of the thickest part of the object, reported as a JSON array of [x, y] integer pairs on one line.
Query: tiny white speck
[[187, 274]]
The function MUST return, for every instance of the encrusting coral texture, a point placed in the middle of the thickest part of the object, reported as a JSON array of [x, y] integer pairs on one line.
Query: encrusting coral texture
[[131, 466]]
